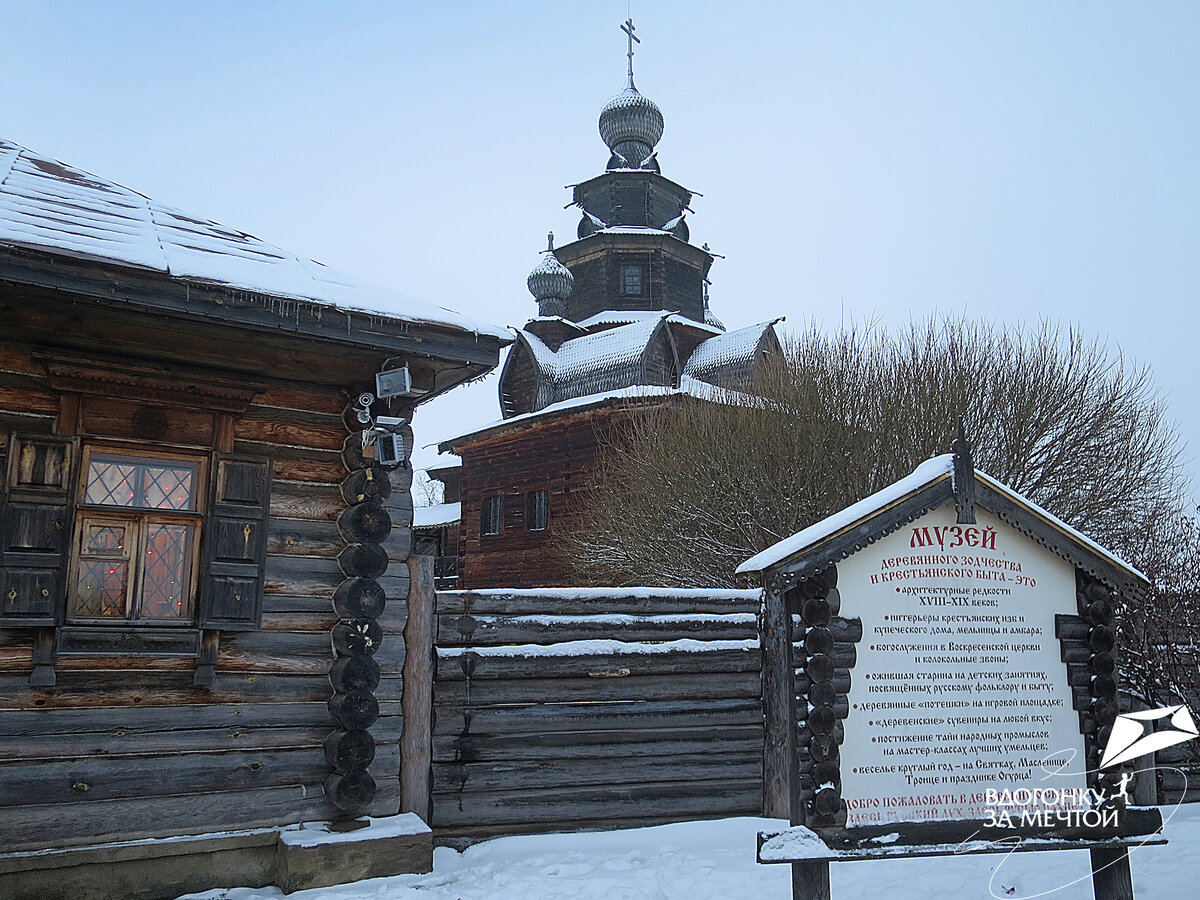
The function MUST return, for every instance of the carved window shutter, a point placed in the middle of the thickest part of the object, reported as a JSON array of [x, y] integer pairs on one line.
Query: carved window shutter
[[235, 543], [35, 529]]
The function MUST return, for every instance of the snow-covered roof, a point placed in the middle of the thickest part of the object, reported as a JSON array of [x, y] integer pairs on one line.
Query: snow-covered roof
[[729, 356], [50, 206], [689, 387], [438, 514], [445, 461], [592, 363], [624, 317], [931, 471], [633, 229]]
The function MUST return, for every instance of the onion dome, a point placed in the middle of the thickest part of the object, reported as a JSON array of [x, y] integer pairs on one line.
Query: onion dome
[[631, 124], [550, 282]]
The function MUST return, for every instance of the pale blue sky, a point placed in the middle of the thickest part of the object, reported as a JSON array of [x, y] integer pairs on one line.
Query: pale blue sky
[[1016, 160]]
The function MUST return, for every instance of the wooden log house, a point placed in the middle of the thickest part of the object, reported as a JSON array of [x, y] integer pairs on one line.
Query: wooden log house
[[196, 551]]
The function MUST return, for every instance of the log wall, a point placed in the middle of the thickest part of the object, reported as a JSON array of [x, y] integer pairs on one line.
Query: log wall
[[125, 747], [594, 708], [558, 455]]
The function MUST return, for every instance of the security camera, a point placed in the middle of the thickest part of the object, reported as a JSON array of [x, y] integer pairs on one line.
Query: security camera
[[365, 399]]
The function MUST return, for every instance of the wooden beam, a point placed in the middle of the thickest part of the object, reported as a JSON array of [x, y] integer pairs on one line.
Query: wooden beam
[[779, 705], [416, 746]]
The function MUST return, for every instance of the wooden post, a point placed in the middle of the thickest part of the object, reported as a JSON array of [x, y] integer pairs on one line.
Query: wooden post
[[1111, 878], [779, 705], [810, 880], [416, 747]]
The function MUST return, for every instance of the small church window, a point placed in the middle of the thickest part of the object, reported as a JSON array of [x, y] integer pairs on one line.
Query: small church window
[[631, 280], [538, 510], [493, 515]]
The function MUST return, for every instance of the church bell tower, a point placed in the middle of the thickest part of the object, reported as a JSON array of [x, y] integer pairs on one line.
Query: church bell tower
[[632, 252]]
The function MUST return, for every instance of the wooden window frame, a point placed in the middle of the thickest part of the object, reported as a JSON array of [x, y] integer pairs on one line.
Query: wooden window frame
[[626, 273], [137, 519], [491, 516], [537, 502]]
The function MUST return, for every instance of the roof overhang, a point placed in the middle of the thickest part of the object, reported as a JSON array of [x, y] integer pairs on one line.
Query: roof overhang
[[453, 355], [633, 239]]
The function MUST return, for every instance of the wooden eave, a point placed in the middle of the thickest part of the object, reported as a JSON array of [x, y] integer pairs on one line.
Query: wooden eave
[[808, 561], [657, 178], [541, 418], [601, 242], [453, 356]]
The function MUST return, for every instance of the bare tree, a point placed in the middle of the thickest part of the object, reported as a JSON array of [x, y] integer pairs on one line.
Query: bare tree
[[687, 493], [1160, 636], [427, 491]]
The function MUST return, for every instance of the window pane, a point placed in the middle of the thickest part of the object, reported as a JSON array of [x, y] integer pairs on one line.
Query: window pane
[[539, 510], [633, 279], [165, 571], [111, 482], [103, 538], [144, 484], [168, 488], [493, 515], [102, 584]]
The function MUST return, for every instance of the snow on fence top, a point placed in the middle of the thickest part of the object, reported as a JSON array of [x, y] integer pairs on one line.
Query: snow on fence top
[[50, 206]]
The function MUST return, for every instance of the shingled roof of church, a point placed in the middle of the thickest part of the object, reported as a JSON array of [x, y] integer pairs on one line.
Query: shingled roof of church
[[623, 357], [728, 358]]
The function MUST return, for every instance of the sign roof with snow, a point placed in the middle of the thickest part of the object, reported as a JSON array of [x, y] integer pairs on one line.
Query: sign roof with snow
[[950, 478]]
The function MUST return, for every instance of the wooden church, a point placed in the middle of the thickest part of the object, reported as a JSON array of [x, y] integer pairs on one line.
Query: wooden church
[[623, 325], [202, 555]]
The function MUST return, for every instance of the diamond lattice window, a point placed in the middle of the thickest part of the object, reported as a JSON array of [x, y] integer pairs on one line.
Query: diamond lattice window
[[138, 521]]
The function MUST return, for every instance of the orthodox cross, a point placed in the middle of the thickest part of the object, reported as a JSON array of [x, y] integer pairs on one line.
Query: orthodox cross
[[627, 27]]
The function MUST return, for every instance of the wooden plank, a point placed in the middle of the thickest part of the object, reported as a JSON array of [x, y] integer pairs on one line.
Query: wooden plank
[[291, 428], [778, 707], [726, 798], [605, 601], [552, 717], [295, 499], [478, 666], [233, 719], [79, 824], [416, 744], [302, 397], [615, 745], [127, 688], [308, 576], [297, 653], [107, 778], [516, 776], [700, 686], [487, 631], [303, 537], [134, 743], [113, 418]]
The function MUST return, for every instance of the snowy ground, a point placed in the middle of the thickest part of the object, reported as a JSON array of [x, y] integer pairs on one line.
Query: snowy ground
[[709, 860]]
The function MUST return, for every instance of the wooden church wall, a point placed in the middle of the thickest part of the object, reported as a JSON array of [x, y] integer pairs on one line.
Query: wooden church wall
[[511, 465], [125, 747]]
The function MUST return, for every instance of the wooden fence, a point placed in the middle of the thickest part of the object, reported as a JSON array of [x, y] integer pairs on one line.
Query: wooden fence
[[577, 708]]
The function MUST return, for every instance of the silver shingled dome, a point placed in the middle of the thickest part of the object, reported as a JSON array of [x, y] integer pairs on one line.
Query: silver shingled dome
[[631, 116], [550, 282]]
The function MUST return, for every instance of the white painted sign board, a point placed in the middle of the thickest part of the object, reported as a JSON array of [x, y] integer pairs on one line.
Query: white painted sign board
[[959, 685]]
